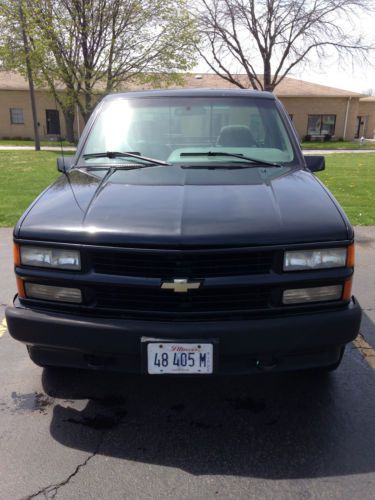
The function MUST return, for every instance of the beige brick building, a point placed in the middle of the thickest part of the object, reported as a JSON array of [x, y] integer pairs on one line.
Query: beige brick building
[[15, 110], [365, 122], [317, 111]]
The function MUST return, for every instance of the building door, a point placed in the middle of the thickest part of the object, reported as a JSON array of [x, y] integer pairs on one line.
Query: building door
[[360, 127], [53, 122]]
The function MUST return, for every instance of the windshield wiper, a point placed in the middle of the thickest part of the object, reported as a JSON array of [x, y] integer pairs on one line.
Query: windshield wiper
[[117, 154], [255, 161]]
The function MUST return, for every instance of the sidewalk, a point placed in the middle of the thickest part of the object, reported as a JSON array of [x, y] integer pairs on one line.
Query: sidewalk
[[336, 151], [31, 148]]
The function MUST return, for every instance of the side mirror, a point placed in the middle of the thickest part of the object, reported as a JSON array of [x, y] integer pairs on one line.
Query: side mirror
[[315, 163], [64, 163]]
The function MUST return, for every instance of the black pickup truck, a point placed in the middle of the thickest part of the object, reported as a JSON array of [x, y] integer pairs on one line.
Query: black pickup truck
[[188, 235]]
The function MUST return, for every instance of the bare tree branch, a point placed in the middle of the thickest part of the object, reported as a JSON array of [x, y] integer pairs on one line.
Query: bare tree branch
[[275, 36]]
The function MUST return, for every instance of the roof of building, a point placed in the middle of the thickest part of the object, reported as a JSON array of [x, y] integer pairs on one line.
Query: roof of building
[[10, 80], [292, 87], [370, 98], [289, 87]]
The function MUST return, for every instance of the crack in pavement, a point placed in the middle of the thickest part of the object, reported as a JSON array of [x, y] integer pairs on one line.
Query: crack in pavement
[[50, 492], [104, 425]]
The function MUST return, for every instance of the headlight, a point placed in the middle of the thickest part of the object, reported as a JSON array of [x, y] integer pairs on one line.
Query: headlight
[[50, 257], [54, 293], [314, 294], [305, 260]]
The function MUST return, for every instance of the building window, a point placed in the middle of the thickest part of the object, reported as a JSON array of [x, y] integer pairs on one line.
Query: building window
[[16, 116], [321, 125]]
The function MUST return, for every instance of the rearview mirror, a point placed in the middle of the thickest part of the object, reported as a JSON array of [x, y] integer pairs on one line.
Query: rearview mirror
[[190, 111], [64, 163], [315, 163]]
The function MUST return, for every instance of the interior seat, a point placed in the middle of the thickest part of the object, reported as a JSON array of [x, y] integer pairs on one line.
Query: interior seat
[[236, 136], [146, 137]]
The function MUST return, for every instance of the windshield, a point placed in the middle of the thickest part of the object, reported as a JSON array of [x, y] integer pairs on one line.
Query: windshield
[[167, 129]]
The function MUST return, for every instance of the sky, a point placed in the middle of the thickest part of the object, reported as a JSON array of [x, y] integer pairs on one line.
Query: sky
[[355, 76], [359, 78]]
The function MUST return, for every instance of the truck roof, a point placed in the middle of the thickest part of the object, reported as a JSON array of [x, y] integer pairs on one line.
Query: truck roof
[[258, 94]]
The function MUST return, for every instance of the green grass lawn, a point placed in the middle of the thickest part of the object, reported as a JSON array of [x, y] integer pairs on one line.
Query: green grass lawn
[[305, 145], [24, 174], [337, 145], [351, 178]]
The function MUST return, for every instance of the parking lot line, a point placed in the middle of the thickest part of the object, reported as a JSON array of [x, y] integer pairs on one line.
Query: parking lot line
[[3, 327], [366, 350]]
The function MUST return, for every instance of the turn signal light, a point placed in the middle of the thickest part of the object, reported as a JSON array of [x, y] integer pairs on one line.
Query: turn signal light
[[16, 255], [17, 262], [20, 287], [347, 291], [350, 256]]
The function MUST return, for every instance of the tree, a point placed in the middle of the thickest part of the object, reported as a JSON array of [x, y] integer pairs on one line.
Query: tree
[[26, 49], [95, 46], [15, 14], [56, 56], [276, 36], [22, 50]]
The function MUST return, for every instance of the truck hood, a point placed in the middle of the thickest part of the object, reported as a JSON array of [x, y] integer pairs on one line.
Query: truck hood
[[81, 207]]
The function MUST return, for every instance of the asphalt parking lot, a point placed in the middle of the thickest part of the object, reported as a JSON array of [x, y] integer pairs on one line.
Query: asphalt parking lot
[[92, 435]]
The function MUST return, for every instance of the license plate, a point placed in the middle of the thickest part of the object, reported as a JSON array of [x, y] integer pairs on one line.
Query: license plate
[[179, 358]]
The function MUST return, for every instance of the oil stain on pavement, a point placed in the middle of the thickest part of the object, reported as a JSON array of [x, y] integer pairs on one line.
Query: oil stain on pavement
[[35, 402]]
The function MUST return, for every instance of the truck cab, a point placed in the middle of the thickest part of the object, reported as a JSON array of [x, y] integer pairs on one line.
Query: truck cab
[[188, 235]]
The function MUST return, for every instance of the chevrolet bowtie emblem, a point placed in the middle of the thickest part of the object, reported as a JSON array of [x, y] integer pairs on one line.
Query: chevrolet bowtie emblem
[[180, 285]]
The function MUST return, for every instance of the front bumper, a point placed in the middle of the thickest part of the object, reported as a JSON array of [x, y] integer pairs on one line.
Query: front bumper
[[282, 342]]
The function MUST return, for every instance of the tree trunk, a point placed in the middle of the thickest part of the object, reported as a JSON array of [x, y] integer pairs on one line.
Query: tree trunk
[[69, 126], [86, 116], [26, 49], [267, 77], [88, 104]]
